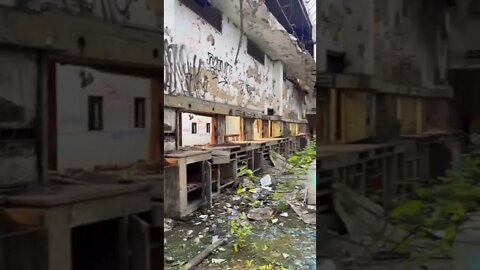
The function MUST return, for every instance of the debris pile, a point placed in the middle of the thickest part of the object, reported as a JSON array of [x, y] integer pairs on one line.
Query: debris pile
[[263, 220], [420, 231]]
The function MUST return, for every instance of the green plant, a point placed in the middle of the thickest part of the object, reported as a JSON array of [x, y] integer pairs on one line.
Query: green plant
[[442, 207], [241, 231], [244, 171], [302, 159]]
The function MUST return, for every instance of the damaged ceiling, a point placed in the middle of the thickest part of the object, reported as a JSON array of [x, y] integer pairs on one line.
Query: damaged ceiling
[[260, 24]]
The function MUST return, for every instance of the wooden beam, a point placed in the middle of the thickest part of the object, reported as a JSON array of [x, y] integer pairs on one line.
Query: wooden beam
[[155, 104], [79, 36]]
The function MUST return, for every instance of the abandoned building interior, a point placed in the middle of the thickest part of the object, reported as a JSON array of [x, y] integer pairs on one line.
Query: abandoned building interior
[[103, 139], [238, 101], [80, 137]]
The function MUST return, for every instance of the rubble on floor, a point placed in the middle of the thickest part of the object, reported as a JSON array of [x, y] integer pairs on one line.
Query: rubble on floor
[[428, 230], [258, 221]]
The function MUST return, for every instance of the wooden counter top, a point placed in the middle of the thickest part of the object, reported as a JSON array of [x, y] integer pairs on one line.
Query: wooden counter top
[[68, 194]]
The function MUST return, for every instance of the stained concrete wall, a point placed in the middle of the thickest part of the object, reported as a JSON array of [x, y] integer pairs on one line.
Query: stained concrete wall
[[411, 42], [201, 136], [18, 88], [119, 143], [402, 42], [463, 38], [18, 73], [200, 62]]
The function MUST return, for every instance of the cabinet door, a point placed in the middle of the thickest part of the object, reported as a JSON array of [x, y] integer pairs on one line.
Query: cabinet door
[[208, 180], [139, 244]]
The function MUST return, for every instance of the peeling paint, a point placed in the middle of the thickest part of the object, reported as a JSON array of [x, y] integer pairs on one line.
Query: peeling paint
[[211, 39]]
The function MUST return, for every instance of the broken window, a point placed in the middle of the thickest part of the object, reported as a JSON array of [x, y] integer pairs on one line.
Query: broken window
[[210, 14], [140, 112], [95, 113], [208, 127], [194, 128], [254, 51]]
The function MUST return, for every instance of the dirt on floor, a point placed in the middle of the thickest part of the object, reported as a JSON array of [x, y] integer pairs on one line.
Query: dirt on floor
[[267, 232]]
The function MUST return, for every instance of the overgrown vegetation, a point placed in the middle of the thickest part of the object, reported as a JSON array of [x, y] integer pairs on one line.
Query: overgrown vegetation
[[302, 159], [440, 208], [240, 230]]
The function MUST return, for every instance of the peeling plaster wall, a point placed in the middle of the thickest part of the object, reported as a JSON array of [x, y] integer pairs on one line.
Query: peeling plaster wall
[[18, 87], [294, 105], [411, 42], [119, 143], [140, 12], [200, 62]]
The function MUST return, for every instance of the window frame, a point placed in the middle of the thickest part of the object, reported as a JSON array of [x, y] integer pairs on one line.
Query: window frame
[[194, 128], [92, 116], [139, 117]]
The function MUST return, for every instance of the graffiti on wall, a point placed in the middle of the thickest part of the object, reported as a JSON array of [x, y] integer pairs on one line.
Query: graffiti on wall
[[86, 78], [186, 74], [183, 76], [221, 68]]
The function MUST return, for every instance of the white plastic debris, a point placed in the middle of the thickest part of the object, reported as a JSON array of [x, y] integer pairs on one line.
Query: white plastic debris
[[275, 220], [189, 232], [215, 238], [285, 255], [284, 214], [203, 216], [266, 181], [216, 261]]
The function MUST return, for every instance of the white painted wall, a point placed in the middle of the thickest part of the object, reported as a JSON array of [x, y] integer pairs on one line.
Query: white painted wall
[[200, 62], [119, 143], [201, 137]]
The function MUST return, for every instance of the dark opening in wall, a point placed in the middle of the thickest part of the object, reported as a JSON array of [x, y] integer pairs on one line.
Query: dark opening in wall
[[194, 128], [210, 14], [270, 111], [335, 62], [95, 113], [140, 112], [208, 127], [254, 51]]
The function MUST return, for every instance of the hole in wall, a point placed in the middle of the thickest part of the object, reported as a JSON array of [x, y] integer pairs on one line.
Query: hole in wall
[[82, 43]]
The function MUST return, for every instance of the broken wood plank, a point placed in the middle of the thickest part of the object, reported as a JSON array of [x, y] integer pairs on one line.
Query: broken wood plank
[[202, 255]]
